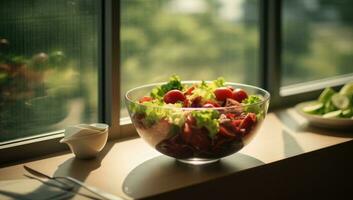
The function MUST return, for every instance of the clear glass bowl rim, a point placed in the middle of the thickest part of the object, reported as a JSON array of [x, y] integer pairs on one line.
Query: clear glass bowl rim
[[265, 99]]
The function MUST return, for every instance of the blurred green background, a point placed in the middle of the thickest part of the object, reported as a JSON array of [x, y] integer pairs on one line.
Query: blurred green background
[[204, 39], [197, 40], [317, 40]]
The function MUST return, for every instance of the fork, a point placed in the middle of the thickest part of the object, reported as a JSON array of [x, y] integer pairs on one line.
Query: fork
[[64, 185], [101, 194], [69, 188]]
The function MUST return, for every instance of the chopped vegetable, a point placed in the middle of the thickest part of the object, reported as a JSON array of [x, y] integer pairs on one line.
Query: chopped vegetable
[[332, 104], [239, 95], [218, 127], [347, 89], [205, 94], [219, 82], [207, 119], [314, 108], [205, 91], [173, 84], [252, 99], [332, 114], [340, 101], [326, 95], [174, 96], [223, 93]]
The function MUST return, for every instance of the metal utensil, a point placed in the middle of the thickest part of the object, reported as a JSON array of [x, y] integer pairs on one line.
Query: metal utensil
[[64, 185], [61, 187], [49, 183], [101, 194]]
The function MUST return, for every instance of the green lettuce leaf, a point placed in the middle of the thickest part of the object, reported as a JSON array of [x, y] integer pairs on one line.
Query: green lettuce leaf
[[207, 119], [173, 84], [154, 111], [219, 82], [205, 91], [251, 106], [252, 99]]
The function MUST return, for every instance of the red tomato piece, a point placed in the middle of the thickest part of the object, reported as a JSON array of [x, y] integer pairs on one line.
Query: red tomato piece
[[230, 115], [225, 132], [199, 139], [174, 96], [186, 103], [145, 99], [248, 121], [239, 95], [214, 104], [230, 87], [231, 103], [195, 103], [236, 123], [189, 90], [223, 93]]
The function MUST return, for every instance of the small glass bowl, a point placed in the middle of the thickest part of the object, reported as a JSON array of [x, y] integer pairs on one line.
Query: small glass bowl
[[175, 134]]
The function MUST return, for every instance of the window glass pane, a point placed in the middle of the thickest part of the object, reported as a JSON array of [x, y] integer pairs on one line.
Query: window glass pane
[[195, 39], [317, 39], [48, 65]]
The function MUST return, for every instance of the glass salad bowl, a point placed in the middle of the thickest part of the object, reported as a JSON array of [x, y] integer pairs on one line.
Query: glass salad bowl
[[200, 122]]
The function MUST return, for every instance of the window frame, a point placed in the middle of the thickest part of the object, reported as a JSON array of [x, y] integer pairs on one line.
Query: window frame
[[270, 52]]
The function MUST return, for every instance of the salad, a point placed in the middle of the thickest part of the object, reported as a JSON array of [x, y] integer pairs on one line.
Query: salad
[[203, 119], [332, 104]]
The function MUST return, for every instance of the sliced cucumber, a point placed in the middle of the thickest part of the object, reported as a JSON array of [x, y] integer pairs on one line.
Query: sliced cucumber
[[347, 89], [332, 104], [329, 107], [347, 113], [313, 108], [326, 95], [332, 114], [340, 101]]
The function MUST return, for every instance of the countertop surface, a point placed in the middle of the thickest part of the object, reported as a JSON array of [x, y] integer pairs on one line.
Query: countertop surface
[[132, 169]]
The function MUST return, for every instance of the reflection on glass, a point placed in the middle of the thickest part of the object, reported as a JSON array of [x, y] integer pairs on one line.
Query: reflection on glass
[[48, 65], [195, 39], [317, 40]]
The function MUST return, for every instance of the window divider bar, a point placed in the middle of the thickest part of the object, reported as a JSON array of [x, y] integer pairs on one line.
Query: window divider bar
[[101, 64], [270, 47], [111, 55], [263, 43]]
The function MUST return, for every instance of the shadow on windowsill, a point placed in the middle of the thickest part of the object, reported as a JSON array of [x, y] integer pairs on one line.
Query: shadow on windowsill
[[77, 168], [163, 173], [290, 145]]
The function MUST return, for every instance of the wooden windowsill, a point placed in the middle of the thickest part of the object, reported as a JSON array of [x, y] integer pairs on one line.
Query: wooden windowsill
[[132, 169]]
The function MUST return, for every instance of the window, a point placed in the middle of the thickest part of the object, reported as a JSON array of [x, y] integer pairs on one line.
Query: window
[[194, 39], [65, 62], [48, 65], [317, 40]]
